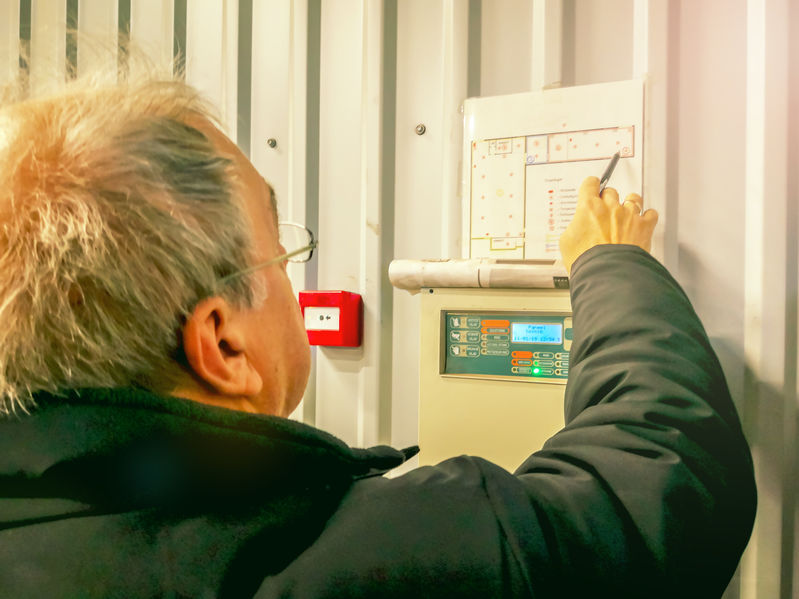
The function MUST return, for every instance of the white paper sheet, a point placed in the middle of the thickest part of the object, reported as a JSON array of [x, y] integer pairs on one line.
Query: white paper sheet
[[527, 155]]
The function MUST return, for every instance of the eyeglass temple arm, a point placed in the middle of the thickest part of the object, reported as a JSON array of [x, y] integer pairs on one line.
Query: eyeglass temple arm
[[260, 265]]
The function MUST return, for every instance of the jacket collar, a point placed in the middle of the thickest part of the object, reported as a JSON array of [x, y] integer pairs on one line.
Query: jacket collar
[[129, 447]]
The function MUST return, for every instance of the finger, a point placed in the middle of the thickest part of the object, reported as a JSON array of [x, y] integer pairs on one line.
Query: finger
[[632, 206], [588, 189], [651, 217], [611, 197], [636, 199]]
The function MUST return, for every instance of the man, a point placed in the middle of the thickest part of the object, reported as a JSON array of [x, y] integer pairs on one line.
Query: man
[[151, 347]]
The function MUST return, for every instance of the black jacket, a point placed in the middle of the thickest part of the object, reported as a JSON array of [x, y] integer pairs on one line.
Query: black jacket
[[647, 492]]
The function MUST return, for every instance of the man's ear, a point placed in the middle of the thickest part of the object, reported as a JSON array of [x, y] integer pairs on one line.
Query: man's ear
[[215, 345]]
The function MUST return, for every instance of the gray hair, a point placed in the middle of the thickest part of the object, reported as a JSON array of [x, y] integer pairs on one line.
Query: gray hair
[[116, 217]]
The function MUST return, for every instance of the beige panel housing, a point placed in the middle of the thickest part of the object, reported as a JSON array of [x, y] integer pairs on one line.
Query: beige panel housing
[[503, 421]]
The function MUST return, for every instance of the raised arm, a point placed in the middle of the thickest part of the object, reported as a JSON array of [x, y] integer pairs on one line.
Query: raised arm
[[649, 489]]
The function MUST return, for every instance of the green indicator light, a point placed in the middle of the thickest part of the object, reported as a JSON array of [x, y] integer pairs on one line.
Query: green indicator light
[[536, 370], [535, 362]]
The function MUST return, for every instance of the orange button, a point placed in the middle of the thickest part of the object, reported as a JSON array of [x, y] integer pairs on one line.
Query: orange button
[[522, 354], [495, 323], [494, 331]]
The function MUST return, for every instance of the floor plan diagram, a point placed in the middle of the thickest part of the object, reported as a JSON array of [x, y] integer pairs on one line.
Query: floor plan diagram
[[522, 189]]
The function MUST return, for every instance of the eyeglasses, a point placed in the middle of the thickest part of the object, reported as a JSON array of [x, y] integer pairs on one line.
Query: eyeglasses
[[291, 235]]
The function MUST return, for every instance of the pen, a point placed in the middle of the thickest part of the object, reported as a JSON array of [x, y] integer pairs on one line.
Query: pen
[[608, 172]]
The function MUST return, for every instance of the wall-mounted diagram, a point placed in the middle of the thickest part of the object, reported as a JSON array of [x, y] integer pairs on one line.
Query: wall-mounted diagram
[[521, 190]]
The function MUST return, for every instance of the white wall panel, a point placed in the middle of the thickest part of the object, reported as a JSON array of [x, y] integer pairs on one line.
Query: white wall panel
[[603, 32], [711, 200], [151, 29], [9, 40], [374, 409], [230, 65], [657, 62], [48, 43], [296, 117], [791, 519], [211, 55], [271, 67], [350, 219], [431, 86], [339, 202], [506, 49], [97, 24], [767, 401], [546, 44], [712, 134]]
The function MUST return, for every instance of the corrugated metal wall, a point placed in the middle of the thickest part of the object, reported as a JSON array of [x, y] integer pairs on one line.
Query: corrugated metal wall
[[340, 86]]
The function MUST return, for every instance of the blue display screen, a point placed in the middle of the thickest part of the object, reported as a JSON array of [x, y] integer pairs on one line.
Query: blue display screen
[[536, 332]]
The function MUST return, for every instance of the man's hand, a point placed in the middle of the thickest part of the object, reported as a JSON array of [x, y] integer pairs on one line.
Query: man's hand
[[600, 220]]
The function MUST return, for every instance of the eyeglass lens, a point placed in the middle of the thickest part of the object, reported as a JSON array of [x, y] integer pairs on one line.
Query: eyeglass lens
[[294, 237]]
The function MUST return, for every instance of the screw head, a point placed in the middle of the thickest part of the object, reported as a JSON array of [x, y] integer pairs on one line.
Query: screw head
[[420, 129], [271, 142]]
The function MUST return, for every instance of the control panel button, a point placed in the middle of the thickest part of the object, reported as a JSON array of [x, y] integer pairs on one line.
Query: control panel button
[[494, 352], [494, 337], [495, 330], [468, 351], [496, 345], [503, 324], [457, 322]]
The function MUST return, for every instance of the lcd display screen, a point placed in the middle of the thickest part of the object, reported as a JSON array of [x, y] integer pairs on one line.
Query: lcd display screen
[[536, 332]]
